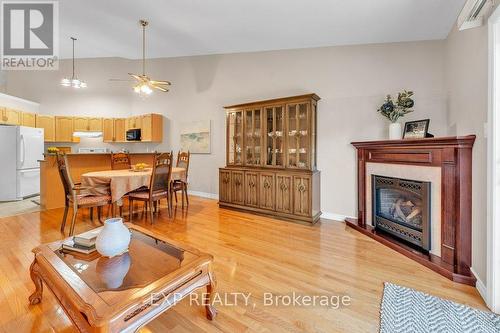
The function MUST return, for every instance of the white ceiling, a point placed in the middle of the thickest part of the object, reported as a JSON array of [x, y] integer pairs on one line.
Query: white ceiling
[[193, 27]]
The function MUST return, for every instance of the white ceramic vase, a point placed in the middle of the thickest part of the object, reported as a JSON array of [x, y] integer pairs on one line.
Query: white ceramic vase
[[114, 238], [395, 131]]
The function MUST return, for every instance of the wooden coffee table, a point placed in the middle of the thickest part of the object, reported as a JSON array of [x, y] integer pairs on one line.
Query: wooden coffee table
[[123, 293]]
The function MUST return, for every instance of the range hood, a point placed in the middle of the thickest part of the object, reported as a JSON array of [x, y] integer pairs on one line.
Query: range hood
[[87, 134]]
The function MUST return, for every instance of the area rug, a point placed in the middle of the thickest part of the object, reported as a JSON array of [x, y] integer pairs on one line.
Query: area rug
[[410, 311]]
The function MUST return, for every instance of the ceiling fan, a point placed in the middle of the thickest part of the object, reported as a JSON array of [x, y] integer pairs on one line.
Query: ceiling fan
[[144, 85]]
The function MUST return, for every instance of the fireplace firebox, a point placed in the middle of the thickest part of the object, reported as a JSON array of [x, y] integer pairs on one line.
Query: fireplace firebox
[[402, 208]]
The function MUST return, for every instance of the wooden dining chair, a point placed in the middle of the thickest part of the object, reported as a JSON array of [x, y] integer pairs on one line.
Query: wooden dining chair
[[120, 161], [181, 184], [159, 187], [75, 196]]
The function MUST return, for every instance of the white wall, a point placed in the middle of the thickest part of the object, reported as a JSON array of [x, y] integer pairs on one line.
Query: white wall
[[352, 82], [18, 103], [466, 59]]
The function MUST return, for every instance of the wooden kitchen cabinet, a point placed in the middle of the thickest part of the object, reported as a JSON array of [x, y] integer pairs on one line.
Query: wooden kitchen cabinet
[[225, 185], [86, 124], [119, 130], [108, 130], [48, 123], [114, 129], [64, 129], [10, 116], [152, 128], [237, 188], [273, 143], [80, 124], [134, 122], [95, 124], [28, 119]]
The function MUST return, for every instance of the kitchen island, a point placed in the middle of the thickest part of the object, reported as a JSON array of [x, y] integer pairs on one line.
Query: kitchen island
[[51, 188]]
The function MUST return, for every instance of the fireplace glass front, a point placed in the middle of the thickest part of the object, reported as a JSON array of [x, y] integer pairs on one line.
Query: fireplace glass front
[[402, 208]]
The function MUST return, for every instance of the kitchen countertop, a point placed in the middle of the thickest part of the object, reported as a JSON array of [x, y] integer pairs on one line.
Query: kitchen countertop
[[90, 154], [69, 154]]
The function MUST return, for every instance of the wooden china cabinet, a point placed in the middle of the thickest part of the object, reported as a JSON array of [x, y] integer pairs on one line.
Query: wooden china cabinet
[[271, 158]]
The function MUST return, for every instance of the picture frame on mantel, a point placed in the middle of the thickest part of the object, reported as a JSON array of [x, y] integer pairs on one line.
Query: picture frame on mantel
[[195, 136], [417, 129]]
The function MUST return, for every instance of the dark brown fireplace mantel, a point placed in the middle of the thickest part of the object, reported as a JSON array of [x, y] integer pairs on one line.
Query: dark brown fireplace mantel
[[454, 156]]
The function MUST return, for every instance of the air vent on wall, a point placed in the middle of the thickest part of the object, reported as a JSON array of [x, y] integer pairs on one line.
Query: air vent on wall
[[473, 13]]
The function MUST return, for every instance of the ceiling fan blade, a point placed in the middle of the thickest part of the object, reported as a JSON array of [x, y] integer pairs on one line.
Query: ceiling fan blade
[[137, 77], [159, 88], [161, 82]]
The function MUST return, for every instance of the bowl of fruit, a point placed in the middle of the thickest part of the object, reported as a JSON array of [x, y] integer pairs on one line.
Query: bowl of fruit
[[140, 167], [52, 150]]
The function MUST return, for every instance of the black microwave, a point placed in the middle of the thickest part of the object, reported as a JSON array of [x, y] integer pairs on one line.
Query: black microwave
[[134, 134]]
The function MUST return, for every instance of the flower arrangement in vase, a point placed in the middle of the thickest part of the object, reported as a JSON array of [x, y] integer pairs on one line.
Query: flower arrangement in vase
[[395, 110]]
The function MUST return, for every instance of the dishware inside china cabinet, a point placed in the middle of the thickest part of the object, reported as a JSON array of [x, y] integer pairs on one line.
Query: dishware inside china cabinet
[[253, 136], [298, 138], [274, 140], [235, 136]]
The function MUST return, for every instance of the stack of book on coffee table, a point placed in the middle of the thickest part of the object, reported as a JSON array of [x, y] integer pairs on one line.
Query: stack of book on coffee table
[[82, 243]]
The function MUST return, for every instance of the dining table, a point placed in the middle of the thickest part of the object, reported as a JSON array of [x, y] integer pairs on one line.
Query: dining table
[[118, 183]]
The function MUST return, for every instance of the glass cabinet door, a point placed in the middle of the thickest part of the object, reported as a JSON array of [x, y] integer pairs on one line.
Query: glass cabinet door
[[298, 136], [274, 142], [235, 138], [253, 137]]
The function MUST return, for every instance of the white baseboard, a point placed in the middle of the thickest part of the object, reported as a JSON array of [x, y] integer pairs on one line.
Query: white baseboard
[[481, 287], [204, 194], [324, 215], [334, 216]]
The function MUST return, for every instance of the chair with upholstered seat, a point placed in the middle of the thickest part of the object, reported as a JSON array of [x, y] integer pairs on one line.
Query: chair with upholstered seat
[[120, 161], [159, 187], [181, 184], [75, 196]]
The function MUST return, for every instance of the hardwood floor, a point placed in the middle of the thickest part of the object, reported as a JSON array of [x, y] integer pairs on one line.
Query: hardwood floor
[[252, 254]]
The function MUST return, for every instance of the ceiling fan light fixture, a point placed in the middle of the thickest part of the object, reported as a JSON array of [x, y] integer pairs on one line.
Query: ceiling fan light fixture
[[73, 81], [143, 88], [144, 84], [146, 89]]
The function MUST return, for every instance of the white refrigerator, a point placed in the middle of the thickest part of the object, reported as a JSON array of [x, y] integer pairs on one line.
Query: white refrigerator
[[21, 149]]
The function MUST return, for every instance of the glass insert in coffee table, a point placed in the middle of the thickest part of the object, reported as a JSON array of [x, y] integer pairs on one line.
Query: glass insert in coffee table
[[147, 260]]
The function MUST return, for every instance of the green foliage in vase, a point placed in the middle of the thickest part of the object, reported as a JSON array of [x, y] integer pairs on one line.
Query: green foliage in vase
[[394, 110]]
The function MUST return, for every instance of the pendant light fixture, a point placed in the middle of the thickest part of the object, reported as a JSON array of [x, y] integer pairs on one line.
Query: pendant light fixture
[[73, 81], [144, 85]]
